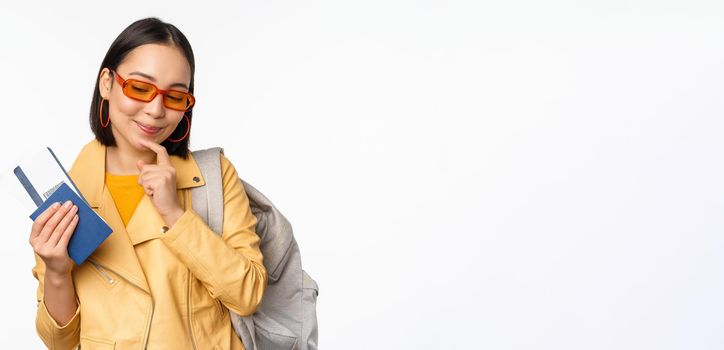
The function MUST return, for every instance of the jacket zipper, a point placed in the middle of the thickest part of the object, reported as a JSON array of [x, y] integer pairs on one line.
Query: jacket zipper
[[108, 278], [148, 326], [188, 309], [102, 272], [188, 289]]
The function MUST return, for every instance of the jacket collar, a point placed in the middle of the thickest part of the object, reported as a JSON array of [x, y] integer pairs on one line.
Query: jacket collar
[[117, 251], [89, 169]]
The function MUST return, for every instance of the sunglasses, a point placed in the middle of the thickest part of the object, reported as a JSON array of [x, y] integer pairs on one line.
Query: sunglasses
[[146, 92]]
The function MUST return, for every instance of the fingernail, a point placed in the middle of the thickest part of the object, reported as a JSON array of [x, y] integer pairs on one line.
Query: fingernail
[[55, 205], [67, 204], [75, 207]]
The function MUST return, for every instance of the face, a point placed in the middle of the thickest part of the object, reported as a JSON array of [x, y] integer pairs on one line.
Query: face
[[132, 120]]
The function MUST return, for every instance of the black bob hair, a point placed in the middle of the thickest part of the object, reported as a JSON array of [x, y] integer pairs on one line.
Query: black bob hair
[[149, 30]]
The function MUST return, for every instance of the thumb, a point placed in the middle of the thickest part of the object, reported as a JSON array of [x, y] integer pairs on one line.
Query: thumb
[[140, 163]]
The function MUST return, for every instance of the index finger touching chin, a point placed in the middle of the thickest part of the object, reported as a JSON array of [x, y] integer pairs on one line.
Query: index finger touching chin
[[161, 153]]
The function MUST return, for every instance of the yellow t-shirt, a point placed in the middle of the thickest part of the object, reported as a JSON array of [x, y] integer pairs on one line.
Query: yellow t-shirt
[[126, 193]]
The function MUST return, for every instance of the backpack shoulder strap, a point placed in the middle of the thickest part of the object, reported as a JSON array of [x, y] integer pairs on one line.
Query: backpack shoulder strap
[[208, 200]]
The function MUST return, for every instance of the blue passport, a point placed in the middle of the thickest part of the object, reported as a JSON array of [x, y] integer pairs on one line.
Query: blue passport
[[90, 231]]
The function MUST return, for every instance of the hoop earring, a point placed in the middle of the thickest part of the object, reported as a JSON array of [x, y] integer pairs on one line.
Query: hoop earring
[[100, 114], [188, 128]]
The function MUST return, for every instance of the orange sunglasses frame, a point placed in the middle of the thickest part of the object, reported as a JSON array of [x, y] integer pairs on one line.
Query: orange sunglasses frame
[[156, 92]]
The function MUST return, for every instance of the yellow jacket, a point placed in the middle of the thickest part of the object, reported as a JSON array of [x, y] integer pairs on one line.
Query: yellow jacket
[[147, 281]]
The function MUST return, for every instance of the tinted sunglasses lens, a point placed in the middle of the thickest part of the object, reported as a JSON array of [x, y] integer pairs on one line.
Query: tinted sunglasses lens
[[139, 90], [178, 100]]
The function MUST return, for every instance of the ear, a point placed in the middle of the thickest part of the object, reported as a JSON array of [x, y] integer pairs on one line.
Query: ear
[[105, 82]]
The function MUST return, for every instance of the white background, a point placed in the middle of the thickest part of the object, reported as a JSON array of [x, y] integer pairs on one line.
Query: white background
[[459, 174]]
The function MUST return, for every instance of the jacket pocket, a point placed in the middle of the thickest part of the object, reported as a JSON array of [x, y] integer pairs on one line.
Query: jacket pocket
[[105, 275], [90, 343]]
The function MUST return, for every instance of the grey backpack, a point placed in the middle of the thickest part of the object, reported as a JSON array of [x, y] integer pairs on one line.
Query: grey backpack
[[286, 317]]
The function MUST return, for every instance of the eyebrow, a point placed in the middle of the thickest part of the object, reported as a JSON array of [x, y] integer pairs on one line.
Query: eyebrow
[[154, 79]]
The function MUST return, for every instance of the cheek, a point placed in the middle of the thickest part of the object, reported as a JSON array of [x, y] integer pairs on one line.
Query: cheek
[[125, 107]]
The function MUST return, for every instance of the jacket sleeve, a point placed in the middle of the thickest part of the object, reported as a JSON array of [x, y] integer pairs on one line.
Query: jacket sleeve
[[231, 266], [53, 335]]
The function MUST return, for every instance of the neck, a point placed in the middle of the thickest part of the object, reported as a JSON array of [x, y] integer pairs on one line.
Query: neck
[[122, 158]]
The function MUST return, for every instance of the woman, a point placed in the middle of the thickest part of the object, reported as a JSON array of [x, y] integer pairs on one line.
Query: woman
[[163, 279]]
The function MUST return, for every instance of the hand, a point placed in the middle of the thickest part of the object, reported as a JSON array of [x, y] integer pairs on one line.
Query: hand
[[50, 234], [159, 182]]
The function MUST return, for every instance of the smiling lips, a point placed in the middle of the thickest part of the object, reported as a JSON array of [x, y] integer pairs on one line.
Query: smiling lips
[[148, 129]]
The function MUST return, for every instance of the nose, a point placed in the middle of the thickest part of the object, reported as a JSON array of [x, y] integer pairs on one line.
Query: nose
[[155, 107]]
